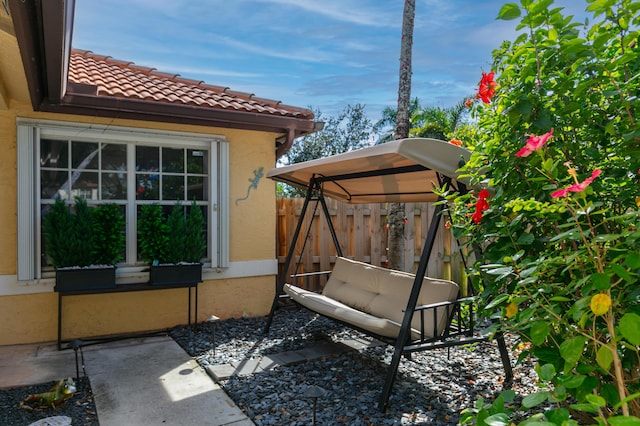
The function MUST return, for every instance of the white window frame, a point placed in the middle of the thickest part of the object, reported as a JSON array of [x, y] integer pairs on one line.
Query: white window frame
[[29, 132]]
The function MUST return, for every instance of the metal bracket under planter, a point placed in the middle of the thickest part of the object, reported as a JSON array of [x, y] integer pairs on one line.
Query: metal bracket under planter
[[174, 275], [89, 278]]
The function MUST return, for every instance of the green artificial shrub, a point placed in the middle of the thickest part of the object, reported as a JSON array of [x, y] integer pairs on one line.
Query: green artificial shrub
[[108, 227], [179, 237], [153, 238], [85, 236]]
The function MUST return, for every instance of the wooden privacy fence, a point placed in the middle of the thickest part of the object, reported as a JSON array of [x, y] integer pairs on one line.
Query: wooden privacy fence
[[362, 232]]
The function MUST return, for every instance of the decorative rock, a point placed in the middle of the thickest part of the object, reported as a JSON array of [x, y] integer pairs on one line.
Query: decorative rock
[[53, 421], [432, 389]]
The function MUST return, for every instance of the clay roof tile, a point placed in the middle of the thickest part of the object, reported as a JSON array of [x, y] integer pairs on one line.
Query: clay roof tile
[[123, 79]]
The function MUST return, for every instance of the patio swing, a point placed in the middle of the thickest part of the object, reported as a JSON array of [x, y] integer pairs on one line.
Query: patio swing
[[408, 311]]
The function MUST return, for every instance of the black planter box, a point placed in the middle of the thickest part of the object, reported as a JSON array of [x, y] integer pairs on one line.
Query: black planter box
[[82, 279], [176, 275]]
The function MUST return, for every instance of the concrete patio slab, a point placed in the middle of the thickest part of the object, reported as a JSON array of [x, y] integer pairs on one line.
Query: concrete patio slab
[[135, 381], [22, 365]]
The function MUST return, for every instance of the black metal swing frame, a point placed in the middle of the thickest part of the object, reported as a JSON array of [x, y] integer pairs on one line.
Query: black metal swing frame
[[460, 328]]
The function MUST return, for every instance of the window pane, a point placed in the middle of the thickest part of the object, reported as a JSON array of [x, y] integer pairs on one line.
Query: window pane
[[84, 155], [173, 160], [54, 153], [172, 187], [86, 186], [196, 189], [114, 186], [197, 161], [147, 187], [44, 210], [114, 157], [52, 184], [147, 158], [123, 249]]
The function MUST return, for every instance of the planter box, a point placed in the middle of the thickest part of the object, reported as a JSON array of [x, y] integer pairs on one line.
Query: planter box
[[175, 275], [82, 279]]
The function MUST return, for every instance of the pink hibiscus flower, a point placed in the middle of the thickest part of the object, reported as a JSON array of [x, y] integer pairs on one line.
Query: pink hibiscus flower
[[534, 143], [578, 186]]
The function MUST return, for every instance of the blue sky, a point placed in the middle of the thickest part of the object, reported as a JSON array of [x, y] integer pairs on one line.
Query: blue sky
[[308, 53]]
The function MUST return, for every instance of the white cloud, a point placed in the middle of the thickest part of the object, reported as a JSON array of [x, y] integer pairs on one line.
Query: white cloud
[[355, 12], [305, 54]]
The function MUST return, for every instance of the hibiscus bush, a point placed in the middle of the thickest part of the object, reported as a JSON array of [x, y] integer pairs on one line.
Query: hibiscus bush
[[555, 209]]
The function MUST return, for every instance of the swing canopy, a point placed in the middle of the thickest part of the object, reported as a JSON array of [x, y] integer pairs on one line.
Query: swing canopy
[[401, 171]]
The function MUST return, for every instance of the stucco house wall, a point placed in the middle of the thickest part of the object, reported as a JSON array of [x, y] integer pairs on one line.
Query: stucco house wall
[[28, 313], [29, 309]]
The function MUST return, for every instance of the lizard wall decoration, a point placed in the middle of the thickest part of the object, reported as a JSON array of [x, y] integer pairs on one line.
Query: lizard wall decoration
[[257, 175]]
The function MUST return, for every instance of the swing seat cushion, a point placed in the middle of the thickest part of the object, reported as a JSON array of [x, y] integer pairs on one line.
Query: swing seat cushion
[[375, 299]]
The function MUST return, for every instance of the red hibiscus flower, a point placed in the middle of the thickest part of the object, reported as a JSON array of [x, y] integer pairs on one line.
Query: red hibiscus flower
[[576, 187], [481, 205], [487, 87], [534, 143]]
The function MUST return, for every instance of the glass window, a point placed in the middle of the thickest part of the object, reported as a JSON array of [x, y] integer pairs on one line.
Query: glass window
[[109, 165]]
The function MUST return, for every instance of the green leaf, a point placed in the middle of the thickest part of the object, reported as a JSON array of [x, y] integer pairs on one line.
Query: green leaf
[[585, 407], [534, 399], [571, 351], [553, 34], [621, 272], [624, 421], [601, 281], [610, 393], [508, 395], [482, 416], [626, 400], [630, 328], [596, 400], [500, 419], [500, 271], [547, 372], [558, 416], [497, 301], [603, 238], [539, 332], [624, 24], [546, 354], [571, 381], [633, 260], [497, 406], [560, 299], [526, 272], [604, 357], [610, 128], [509, 11], [525, 239]]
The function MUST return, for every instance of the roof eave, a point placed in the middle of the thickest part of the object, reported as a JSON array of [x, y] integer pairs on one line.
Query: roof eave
[[112, 107]]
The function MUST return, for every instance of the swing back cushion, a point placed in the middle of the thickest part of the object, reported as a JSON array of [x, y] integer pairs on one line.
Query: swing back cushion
[[375, 299]]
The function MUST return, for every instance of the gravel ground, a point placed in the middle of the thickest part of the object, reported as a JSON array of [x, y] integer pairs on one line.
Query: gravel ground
[[80, 408], [431, 389]]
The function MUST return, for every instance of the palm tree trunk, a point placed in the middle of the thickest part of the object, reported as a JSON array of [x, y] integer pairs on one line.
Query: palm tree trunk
[[404, 84], [396, 214]]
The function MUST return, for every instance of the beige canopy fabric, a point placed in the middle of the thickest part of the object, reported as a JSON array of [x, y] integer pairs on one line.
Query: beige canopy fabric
[[399, 171]]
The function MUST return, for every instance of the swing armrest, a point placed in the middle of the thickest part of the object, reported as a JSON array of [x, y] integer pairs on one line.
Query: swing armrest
[[464, 300], [309, 280], [310, 274], [459, 317]]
